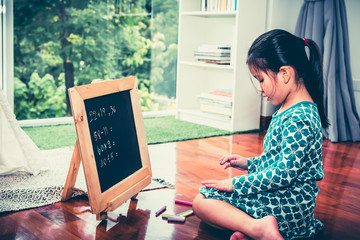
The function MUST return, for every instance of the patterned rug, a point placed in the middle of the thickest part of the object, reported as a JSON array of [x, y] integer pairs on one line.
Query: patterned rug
[[24, 191]]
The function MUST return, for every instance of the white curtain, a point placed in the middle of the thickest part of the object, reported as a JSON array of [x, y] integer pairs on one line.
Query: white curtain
[[18, 153]]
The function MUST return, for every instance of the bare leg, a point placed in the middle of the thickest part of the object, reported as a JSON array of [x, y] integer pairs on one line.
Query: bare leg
[[221, 214]]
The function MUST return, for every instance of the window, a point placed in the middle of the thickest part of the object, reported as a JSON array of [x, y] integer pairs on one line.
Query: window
[[61, 44]]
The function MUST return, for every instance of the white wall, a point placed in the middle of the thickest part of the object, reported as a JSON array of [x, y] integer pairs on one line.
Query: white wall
[[353, 15], [281, 14], [284, 13]]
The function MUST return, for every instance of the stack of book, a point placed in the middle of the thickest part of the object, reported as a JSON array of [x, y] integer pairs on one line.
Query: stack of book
[[212, 53], [218, 5], [218, 102]]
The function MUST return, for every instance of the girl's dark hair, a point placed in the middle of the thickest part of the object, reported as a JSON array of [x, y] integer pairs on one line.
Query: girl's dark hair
[[278, 48]]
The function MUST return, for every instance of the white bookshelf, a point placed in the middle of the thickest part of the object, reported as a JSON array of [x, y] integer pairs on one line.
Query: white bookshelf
[[236, 28]]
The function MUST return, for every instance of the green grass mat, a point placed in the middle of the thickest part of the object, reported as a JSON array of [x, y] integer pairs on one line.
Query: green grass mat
[[158, 130]]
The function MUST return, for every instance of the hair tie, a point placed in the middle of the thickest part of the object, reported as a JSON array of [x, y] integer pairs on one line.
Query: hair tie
[[305, 40]]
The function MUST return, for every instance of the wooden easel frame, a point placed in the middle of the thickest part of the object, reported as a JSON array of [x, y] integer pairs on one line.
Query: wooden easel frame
[[130, 186]]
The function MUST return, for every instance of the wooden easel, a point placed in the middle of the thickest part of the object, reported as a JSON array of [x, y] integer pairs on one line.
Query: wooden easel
[[72, 173], [114, 196]]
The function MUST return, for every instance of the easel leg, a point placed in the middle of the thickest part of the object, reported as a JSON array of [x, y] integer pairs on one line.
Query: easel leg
[[72, 173], [101, 216], [134, 197]]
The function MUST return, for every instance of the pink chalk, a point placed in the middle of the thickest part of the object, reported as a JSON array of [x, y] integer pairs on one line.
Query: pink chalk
[[183, 202]]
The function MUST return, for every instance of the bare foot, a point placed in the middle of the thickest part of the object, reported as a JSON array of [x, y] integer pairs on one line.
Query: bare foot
[[267, 228], [239, 236]]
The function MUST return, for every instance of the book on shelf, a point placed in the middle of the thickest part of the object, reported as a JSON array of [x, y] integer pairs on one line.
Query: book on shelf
[[210, 108], [214, 48], [218, 5], [216, 102], [212, 53], [213, 61], [218, 96], [225, 93]]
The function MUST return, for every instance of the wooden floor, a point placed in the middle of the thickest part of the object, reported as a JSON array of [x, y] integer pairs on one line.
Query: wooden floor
[[186, 164]]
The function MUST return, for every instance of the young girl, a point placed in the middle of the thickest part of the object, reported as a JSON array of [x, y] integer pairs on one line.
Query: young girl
[[276, 199]]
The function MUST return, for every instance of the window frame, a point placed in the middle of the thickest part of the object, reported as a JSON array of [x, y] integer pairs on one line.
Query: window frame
[[7, 50]]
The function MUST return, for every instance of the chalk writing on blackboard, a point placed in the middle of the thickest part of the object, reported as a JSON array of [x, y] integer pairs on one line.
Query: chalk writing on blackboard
[[101, 112], [114, 139], [102, 132]]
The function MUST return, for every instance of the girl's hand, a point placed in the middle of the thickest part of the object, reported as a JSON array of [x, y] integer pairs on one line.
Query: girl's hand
[[222, 185], [235, 161]]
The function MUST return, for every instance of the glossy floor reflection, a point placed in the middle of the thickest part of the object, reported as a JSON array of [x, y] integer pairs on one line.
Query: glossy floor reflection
[[186, 164]]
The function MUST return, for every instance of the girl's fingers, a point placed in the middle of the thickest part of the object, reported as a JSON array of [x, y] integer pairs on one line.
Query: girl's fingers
[[209, 182], [227, 158], [222, 185], [227, 165], [236, 164], [222, 160], [213, 185], [232, 163]]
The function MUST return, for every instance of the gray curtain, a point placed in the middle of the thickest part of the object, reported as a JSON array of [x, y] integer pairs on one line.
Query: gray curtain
[[325, 22]]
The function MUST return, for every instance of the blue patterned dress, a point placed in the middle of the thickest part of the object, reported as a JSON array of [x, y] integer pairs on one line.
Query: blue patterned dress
[[282, 181]]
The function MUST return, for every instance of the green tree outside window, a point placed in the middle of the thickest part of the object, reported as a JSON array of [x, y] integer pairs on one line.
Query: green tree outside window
[[61, 44]]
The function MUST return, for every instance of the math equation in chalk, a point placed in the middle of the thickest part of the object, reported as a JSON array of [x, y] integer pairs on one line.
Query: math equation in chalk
[[101, 113], [102, 132]]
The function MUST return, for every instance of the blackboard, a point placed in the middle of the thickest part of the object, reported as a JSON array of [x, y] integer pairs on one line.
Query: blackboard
[[113, 136], [111, 143]]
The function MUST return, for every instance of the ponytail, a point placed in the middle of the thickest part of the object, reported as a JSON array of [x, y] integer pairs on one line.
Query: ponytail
[[278, 48], [315, 84]]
